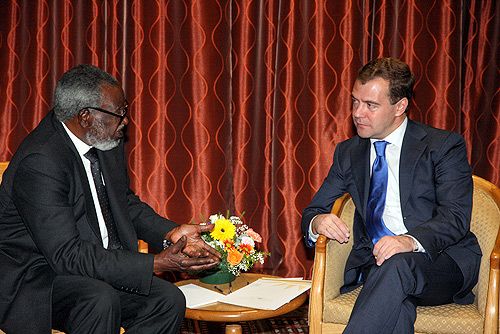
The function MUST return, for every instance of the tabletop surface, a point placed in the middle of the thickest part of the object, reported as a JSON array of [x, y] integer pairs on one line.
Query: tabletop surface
[[232, 313]]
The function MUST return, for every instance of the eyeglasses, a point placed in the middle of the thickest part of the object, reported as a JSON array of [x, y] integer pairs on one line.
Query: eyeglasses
[[123, 111]]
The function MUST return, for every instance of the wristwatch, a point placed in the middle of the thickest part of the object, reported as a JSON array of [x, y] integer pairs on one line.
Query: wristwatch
[[415, 243], [167, 243]]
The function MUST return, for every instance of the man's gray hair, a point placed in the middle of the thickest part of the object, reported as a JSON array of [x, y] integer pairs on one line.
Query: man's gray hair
[[78, 88]]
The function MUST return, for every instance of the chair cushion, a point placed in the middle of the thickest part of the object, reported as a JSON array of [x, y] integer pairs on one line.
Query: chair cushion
[[450, 318]]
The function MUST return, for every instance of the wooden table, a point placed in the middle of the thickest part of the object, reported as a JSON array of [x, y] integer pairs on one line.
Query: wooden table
[[221, 312]]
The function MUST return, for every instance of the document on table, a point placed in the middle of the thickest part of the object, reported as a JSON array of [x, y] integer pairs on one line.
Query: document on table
[[267, 293], [197, 296]]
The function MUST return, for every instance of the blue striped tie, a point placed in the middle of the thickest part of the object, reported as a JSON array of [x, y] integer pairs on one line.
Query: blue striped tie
[[376, 201]]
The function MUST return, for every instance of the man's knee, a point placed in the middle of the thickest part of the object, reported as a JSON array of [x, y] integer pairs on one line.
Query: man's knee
[[103, 298], [171, 297], [84, 290], [400, 262], [80, 300], [162, 311], [401, 270]]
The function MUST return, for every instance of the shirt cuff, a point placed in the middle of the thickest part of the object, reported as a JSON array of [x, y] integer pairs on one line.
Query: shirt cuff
[[420, 248], [312, 237]]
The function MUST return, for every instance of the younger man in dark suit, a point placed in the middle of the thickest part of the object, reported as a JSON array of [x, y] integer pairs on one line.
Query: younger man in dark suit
[[69, 225], [412, 188]]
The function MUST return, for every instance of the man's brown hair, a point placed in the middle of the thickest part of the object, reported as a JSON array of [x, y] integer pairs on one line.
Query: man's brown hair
[[395, 71]]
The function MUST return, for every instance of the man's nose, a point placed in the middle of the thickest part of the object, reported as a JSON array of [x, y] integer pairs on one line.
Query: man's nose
[[358, 111]]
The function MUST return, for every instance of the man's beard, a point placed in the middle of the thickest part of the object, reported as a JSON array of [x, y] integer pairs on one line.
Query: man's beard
[[95, 137]]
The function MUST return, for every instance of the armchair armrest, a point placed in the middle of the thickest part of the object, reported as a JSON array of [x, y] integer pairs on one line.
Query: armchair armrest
[[329, 263], [316, 297], [492, 315], [491, 321], [143, 246]]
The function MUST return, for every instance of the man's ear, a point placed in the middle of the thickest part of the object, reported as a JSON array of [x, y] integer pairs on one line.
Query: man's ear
[[401, 106], [84, 118]]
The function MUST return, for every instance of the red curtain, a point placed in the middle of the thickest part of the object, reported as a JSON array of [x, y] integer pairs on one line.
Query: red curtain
[[238, 104]]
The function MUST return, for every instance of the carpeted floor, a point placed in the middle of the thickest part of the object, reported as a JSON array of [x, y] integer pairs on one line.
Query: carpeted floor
[[290, 323]]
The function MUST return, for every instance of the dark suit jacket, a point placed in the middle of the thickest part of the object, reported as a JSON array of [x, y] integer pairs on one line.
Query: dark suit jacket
[[435, 186], [49, 227]]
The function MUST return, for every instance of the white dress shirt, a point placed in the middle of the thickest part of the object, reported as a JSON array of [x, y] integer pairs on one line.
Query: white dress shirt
[[83, 148], [392, 216]]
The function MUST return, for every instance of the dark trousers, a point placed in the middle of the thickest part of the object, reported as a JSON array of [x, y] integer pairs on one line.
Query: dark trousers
[[390, 294], [85, 305]]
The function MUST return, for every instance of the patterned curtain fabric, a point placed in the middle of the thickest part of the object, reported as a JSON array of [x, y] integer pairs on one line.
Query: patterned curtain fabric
[[238, 104]]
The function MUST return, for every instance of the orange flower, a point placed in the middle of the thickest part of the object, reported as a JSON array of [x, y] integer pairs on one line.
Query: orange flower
[[229, 244], [234, 257], [247, 249]]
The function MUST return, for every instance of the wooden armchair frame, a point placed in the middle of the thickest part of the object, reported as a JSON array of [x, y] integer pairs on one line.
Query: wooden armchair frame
[[3, 167], [317, 295]]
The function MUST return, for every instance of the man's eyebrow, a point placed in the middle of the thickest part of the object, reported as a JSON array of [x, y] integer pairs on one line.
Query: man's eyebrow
[[365, 101], [371, 102]]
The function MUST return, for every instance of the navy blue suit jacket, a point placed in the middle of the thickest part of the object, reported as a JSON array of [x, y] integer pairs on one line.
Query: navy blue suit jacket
[[435, 186]]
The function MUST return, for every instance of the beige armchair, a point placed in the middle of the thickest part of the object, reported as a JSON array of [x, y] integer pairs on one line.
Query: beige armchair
[[329, 310]]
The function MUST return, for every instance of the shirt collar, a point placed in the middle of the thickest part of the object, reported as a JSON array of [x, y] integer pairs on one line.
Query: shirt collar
[[396, 136], [81, 146]]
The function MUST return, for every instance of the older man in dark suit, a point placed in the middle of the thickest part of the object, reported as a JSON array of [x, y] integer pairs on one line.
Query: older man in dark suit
[[69, 225], [412, 188]]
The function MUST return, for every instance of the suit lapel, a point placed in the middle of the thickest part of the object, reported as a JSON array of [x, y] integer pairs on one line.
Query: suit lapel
[[412, 149], [360, 162], [82, 176]]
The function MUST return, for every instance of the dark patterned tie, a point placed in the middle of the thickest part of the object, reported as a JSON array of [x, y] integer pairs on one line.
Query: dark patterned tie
[[102, 195], [378, 189]]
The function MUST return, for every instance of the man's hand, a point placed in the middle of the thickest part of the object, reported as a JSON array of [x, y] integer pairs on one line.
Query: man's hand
[[389, 245], [172, 259], [331, 226], [195, 246]]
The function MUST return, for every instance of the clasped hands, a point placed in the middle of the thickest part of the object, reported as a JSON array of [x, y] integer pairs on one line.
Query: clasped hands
[[189, 252], [334, 228]]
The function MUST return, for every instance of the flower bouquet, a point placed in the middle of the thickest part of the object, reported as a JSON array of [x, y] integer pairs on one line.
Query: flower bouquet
[[235, 241]]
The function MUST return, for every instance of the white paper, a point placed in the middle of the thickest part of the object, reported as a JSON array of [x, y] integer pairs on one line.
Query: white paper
[[197, 296], [267, 294]]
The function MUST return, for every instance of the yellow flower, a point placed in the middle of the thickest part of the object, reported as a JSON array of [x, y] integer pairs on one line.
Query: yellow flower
[[223, 230]]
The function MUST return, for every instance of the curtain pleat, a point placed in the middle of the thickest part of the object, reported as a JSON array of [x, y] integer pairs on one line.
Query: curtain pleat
[[238, 104]]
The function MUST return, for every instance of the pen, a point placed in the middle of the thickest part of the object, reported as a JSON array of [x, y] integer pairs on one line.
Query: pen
[[218, 289]]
